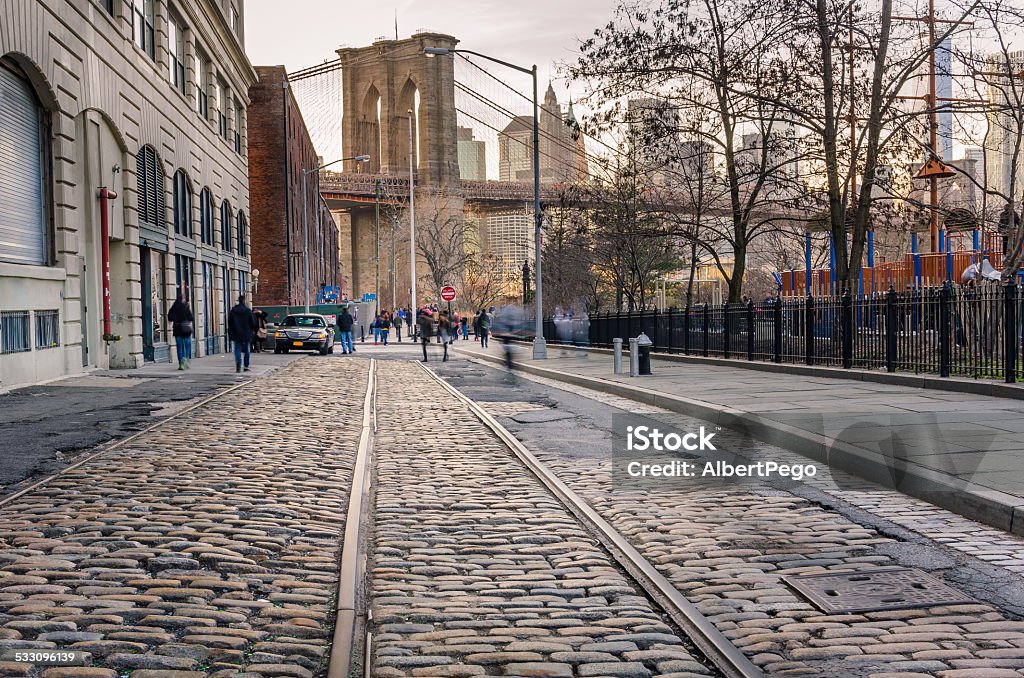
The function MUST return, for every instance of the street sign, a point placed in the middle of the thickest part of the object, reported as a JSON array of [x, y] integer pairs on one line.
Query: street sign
[[448, 293]]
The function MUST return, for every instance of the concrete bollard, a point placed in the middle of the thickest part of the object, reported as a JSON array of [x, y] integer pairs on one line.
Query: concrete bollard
[[634, 357], [617, 356]]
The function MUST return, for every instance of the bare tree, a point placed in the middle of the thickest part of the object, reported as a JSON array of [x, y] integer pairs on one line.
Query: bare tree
[[703, 57], [443, 241]]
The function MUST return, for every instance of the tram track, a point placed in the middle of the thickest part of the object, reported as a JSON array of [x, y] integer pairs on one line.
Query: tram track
[[718, 650]]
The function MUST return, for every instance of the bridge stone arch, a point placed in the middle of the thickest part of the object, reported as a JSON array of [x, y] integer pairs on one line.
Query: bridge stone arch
[[368, 129], [397, 70]]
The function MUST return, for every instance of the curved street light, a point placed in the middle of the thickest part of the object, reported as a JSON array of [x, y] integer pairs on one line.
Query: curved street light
[[540, 350], [305, 219]]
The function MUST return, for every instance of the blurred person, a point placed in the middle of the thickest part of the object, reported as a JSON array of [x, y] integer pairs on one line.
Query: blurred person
[[485, 327], [425, 326]]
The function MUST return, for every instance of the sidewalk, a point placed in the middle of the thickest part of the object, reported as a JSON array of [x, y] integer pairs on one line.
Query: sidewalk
[[964, 452], [44, 426]]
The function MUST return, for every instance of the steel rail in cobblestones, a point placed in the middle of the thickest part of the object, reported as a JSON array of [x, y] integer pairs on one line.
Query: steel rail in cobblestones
[[726, 657], [352, 566], [111, 446]]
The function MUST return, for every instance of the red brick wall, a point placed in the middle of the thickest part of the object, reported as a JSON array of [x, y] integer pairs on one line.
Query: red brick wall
[[279, 149]]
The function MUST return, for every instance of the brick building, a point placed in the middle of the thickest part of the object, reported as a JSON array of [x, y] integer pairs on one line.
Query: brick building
[[276, 164]]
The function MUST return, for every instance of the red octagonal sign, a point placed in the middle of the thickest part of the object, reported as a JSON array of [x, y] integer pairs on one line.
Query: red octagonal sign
[[448, 293]]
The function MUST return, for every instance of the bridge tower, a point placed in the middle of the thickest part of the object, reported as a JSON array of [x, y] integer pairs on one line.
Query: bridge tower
[[380, 85]]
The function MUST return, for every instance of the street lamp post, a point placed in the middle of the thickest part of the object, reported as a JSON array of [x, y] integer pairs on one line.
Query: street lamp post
[[540, 350], [305, 220], [376, 237], [412, 221]]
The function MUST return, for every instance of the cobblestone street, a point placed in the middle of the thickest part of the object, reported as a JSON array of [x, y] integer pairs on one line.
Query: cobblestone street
[[205, 547], [210, 546]]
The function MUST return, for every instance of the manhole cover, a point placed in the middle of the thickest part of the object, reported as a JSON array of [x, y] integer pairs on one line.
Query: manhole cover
[[891, 588]]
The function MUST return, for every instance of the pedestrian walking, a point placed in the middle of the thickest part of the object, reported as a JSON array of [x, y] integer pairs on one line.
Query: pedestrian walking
[[385, 328], [464, 324], [397, 322], [180, 317], [345, 324], [375, 326], [425, 325], [241, 328], [485, 327], [409, 321], [444, 328], [476, 327], [259, 340]]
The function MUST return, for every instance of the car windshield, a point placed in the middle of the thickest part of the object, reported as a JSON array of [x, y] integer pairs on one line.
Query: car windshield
[[304, 321]]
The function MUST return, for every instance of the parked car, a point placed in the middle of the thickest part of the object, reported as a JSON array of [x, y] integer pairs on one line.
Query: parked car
[[304, 332]]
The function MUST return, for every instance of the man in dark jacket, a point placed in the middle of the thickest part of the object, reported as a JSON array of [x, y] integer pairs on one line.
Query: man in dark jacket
[[345, 323], [426, 327], [181, 319], [241, 328]]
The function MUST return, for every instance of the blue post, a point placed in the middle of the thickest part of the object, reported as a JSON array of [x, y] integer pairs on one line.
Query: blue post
[[871, 257], [792, 281], [917, 259], [807, 261], [831, 264], [949, 258]]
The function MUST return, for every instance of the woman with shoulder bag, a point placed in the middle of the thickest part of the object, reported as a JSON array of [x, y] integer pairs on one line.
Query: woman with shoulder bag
[[181, 320]]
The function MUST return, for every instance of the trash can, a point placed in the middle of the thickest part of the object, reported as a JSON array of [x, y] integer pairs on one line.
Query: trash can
[[644, 343]]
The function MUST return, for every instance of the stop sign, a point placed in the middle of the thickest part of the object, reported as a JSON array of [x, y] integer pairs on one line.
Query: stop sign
[[448, 293]]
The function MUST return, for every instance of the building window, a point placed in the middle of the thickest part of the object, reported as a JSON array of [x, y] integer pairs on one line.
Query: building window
[[202, 65], [47, 329], [24, 181], [234, 20], [241, 228], [206, 216], [108, 5], [222, 108], [225, 225], [182, 205], [176, 60], [142, 26], [14, 336], [152, 197], [239, 126]]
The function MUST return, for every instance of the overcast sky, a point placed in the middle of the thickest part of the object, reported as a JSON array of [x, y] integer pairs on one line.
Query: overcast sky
[[520, 31]]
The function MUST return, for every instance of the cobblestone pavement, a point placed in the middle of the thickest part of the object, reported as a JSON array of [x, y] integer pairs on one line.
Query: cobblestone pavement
[[206, 547], [478, 570], [726, 549]]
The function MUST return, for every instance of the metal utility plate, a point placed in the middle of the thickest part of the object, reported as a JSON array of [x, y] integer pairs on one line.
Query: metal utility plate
[[889, 588]]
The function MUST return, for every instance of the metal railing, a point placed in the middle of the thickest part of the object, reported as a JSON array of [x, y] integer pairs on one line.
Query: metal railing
[[14, 332], [963, 331]]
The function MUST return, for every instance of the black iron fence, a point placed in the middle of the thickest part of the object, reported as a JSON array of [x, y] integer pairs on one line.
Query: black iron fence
[[949, 331]]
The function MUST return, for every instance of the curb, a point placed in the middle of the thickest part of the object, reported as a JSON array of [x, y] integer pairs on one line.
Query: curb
[[992, 507]]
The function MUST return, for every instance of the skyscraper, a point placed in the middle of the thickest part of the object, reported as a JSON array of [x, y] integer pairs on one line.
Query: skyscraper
[[472, 156], [559, 151]]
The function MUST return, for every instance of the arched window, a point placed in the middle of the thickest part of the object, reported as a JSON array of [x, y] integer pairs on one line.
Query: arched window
[[206, 216], [225, 226], [152, 200], [241, 227], [182, 205], [24, 181]]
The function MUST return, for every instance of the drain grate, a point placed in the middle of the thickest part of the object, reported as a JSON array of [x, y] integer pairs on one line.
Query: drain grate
[[890, 588]]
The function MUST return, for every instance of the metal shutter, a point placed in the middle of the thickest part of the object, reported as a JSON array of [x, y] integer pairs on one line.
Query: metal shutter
[[150, 174], [22, 194]]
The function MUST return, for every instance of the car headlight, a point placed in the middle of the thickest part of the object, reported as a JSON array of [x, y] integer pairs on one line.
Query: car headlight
[[280, 335], [321, 335]]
